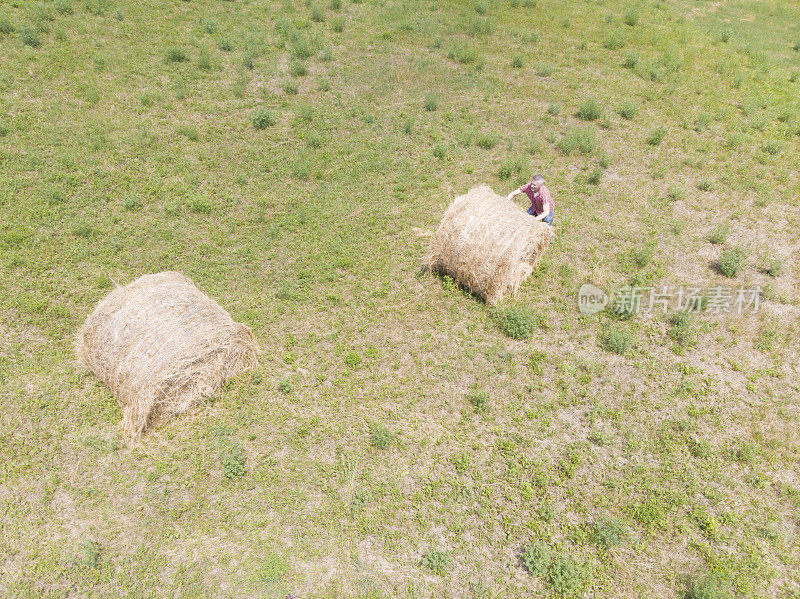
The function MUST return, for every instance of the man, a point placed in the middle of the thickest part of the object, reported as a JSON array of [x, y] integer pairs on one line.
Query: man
[[542, 206]]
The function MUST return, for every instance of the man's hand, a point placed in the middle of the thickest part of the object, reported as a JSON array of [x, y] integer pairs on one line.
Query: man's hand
[[544, 214], [512, 194]]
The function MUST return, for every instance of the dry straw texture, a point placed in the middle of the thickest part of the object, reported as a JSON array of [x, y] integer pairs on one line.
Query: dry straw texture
[[161, 344], [488, 244]]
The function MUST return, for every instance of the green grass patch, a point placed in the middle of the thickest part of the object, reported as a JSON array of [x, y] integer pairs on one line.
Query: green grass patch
[[590, 110], [263, 119], [582, 139], [517, 322], [628, 110], [732, 261], [436, 561], [618, 340], [656, 136], [479, 400], [176, 54]]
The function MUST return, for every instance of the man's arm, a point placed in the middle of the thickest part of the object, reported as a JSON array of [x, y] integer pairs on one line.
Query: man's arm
[[544, 213], [510, 196]]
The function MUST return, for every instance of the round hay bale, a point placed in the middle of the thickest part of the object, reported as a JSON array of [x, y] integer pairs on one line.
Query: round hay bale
[[161, 344], [488, 244]]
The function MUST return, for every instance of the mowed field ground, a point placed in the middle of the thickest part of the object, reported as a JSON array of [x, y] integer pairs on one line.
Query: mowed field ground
[[394, 441]]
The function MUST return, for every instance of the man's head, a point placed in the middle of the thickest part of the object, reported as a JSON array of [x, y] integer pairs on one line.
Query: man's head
[[537, 181]]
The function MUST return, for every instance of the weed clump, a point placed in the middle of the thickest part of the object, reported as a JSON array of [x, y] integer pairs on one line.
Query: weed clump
[[628, 110], [536, 558], [631, 17], [6, 26], [233, 462], [301, 169], [463, 54], [702, 122], [642, 256], [176, 54], [352, 359], [772, 266], [706, 587], [189, 132], [436, 561], [590, 110], [509, 167], [676, 193], [30, 37], [537, 362], [317, 13], [478, 27], [615, 41], [517, 323], [705, 185], [479, 400], [92, 554], [209, 25], [681, 328], [595, 176], [381, 437], [732, 261], [618, 341], [201, 205], [132, 204], [609, 532], [84, 230], [263, 119], [765, 341], [431, 102], [487, 141], [656, 136], [297, 68], [720, 233], [583, 140], [564, 575], [301, 48], [773, 148], [204, 61], [631, 61]]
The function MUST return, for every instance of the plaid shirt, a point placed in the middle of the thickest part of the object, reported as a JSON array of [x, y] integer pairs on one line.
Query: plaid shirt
[[539, 198]]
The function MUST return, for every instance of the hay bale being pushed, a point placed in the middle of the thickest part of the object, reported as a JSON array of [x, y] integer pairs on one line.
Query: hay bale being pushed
[[161, 344], [488, 244]]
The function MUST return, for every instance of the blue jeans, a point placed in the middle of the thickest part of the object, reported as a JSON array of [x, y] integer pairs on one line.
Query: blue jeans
[[547, 219]]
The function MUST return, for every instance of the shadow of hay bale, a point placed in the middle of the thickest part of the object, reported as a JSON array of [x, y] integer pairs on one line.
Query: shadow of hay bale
[[488, 244], [161, 345]]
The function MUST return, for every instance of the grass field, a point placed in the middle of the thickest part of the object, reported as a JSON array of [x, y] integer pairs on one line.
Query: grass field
[[395, 442]]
